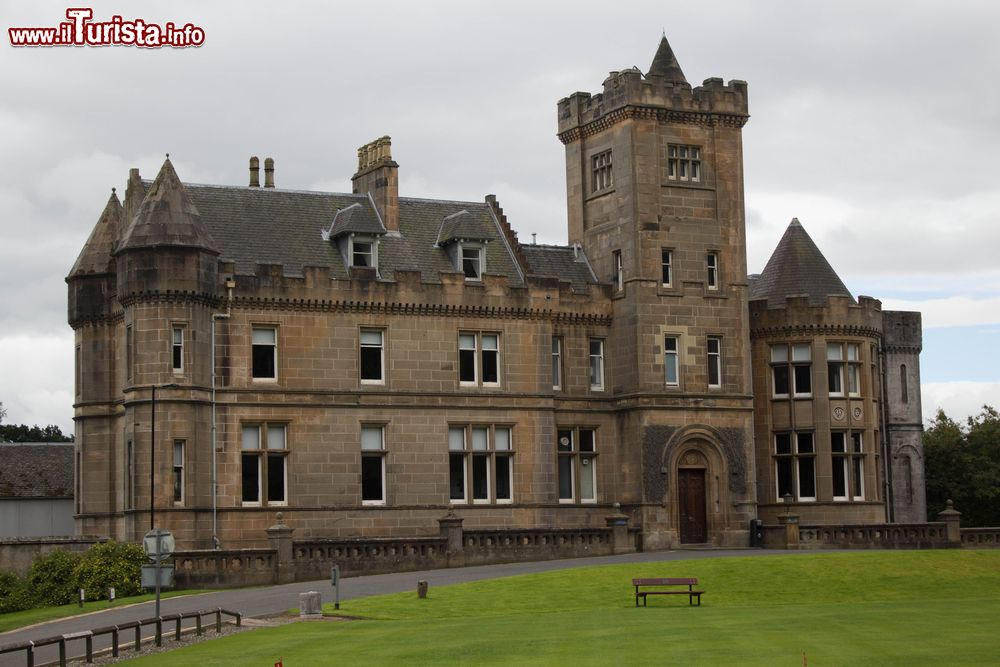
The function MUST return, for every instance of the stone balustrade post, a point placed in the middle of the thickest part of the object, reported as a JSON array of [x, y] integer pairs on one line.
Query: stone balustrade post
[[791, 523], [953, 523], [280, 537], [451, 529], [618, 522]]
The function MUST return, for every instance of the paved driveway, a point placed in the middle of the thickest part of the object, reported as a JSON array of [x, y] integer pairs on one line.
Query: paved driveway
[[269, 600]]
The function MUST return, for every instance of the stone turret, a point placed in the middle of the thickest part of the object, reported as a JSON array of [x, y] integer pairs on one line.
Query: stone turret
[[92, 279], [166, 247]]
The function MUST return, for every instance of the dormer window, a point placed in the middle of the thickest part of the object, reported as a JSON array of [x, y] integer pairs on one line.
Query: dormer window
[[362, 251], [473, 259]]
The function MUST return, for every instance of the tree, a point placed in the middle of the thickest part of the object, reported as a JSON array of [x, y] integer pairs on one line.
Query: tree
[[962, 463], [25, 433]]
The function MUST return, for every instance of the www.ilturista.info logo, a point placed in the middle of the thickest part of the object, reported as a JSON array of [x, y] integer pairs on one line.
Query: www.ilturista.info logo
[[80, 30]]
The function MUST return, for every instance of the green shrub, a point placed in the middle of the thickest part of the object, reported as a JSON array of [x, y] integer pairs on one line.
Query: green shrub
[[52, 578], [111, 564], [14, 593]]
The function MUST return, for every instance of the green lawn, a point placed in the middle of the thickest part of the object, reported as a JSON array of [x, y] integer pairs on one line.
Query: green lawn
[[872, 608], [20, 619]]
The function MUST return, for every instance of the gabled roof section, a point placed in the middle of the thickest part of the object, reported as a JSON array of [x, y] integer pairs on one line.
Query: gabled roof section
[[358, 218], [665, 64], [36, 470], [463, 225], [797, 268], [167, 217], [562, 262], [95, 257]]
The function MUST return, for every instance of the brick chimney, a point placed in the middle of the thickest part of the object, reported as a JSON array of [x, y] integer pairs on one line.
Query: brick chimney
[[378, 175]]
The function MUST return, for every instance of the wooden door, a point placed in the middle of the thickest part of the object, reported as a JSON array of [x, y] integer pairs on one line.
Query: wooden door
[[692, 506]]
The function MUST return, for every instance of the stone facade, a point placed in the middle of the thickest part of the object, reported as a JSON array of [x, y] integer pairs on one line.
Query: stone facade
[[365, 362]]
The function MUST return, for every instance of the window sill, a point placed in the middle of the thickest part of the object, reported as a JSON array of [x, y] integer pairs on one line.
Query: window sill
[[599, 194], [509, 501], [695, 185], [373, 383], [264, 380], [567, 501], [373, 503]]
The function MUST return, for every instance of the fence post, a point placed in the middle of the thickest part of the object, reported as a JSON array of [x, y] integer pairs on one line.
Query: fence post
[[953, 523], [451, 529], [197, 624], [114, 642], [280, 537], [31, 654], [218, 619], [62, 652], [138, 637], [159, 631], [177, 629], [89, 640]]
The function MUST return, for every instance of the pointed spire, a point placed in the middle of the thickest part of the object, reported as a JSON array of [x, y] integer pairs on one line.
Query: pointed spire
[[167, 217], [95, 257], [797, 268], [665, 64]]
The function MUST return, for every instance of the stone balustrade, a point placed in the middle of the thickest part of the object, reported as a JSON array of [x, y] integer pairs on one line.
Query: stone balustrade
[[980, 537]]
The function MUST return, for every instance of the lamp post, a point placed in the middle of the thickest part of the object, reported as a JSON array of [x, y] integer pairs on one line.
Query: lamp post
[[152, 454]]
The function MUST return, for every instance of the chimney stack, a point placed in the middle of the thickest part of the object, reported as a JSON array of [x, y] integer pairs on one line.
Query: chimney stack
[[254, 172], [268, 173], [378, 176]]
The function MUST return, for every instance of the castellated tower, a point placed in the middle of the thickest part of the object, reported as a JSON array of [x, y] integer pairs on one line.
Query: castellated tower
[[654, 180], [904, 420]]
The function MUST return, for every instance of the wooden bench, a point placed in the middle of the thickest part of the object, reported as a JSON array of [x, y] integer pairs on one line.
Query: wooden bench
[[690, 592]]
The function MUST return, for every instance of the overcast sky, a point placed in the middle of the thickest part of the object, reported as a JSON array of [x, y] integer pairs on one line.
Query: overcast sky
[[875, 123]]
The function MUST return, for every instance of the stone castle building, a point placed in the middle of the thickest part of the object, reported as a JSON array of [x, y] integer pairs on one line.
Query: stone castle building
[[364, 362]]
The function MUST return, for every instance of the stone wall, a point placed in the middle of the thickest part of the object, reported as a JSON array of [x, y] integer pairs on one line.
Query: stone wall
[[17, 554]]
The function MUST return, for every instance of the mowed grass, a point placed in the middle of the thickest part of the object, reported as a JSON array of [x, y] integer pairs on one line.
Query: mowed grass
[[871, 608], [22, 619]]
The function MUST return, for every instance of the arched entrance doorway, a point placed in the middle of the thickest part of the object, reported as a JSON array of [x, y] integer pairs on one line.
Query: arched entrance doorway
[[692, 494]]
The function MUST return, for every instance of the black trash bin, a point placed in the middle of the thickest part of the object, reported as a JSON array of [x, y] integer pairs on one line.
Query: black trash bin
[[756, 533]]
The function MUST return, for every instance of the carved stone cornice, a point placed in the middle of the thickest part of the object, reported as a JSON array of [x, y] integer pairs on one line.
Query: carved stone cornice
[[787, 330], [673, 116], [420, 310]]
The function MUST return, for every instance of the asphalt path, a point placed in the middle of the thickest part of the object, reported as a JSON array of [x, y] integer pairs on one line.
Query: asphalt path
[[271, 600]]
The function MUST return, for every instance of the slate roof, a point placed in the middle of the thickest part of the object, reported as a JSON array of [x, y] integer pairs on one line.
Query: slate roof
[[797, 268], [253, 226], [665, 64], [561, 262], [465, 225], [166, 217], [357, 219], [95, 257], [36, 470]]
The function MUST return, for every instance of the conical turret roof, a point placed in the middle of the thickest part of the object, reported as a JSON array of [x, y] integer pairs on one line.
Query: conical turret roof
[[95, 257], [167, 217], [797, 268], [665, 64]]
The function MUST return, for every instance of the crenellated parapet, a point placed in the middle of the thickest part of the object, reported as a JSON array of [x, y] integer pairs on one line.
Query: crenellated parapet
[[316, 290], [629, 94], [798, 317], [903, 331]]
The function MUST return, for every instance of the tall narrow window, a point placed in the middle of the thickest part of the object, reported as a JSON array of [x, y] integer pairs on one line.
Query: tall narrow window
[[597, 364], [666, 267], [264, 362], [714, 362], [178, 472], [467, 358], [373, 453], [854, 369], [576, 451], [806, 465], [372, 357], [556, 362], [838, 451], [783, 462], [780, 377], [601, 171], [78, 358], [129, 353], [670, 361], [491, 358], [858, 463], [802, 369], [177, 349], [683, 163], [835, 368], [129, 476], [264, 453], [617, 278], [712, 267], [903, 389]]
